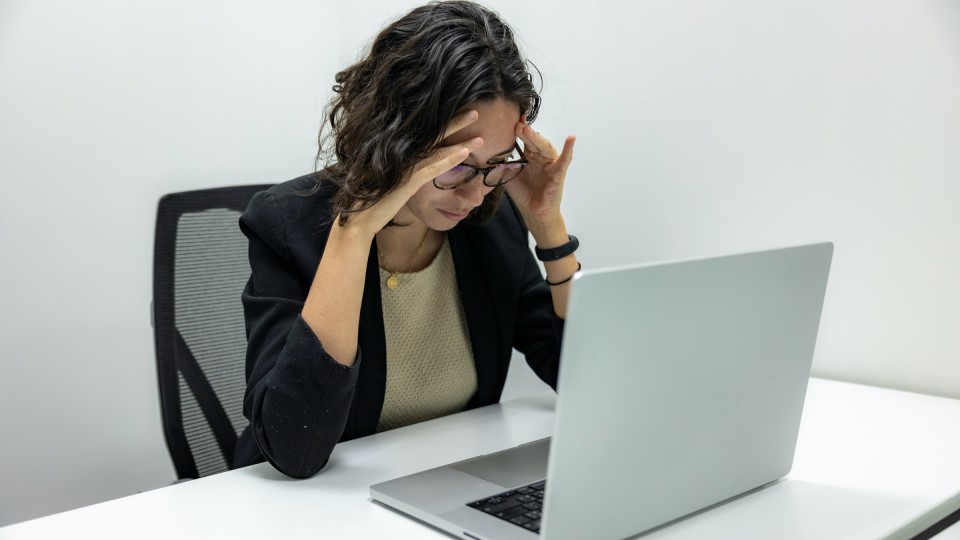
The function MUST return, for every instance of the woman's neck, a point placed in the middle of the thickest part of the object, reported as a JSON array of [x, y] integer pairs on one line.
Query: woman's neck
[[400, 245]]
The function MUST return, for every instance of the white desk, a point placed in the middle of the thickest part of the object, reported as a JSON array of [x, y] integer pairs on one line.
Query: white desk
[[871, 463]]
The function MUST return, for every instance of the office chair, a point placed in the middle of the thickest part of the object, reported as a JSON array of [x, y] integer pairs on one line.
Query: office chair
[[199, 270]]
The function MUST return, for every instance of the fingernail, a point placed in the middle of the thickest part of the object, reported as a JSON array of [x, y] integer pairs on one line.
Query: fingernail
[[477, 141]]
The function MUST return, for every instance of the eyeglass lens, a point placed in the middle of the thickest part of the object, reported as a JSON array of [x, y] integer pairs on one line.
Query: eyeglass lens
[[461, 174]]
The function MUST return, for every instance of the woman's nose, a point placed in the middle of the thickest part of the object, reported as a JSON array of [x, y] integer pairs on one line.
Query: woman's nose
[[474, 191]]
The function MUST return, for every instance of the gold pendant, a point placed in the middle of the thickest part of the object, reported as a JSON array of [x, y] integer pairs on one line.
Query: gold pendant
[[392, 282]]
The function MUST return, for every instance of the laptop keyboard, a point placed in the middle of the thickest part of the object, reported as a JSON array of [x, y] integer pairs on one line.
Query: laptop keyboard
[[521, 506]]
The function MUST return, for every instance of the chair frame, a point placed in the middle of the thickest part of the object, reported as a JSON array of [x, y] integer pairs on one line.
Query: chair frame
[[173, 355]]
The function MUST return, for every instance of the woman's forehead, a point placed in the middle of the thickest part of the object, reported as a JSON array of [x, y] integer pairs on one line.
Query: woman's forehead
[[495, 124]]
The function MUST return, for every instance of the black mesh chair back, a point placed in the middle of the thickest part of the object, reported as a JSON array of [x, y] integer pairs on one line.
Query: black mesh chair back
[[200, 269]]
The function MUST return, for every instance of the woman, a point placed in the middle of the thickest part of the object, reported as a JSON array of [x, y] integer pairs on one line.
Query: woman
[[392, 286]]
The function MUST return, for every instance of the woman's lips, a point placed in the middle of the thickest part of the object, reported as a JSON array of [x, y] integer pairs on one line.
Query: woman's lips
[[455, 216]]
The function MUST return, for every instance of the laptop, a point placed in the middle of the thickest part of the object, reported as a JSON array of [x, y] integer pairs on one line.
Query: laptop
[[681, 386]]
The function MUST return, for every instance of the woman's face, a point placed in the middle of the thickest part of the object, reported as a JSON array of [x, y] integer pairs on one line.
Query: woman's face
[[440, 209]]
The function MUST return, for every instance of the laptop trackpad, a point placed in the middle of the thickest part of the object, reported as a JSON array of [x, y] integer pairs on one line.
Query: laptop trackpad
[[510, 468]]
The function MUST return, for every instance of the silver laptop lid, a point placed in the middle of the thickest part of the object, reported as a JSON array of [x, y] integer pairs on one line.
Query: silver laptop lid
[[712, 356]]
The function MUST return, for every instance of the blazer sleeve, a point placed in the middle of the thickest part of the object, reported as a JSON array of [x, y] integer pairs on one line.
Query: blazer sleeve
[[298, 397]]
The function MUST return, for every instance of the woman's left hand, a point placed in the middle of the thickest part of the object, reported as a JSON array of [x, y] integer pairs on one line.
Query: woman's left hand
[[538, 189]]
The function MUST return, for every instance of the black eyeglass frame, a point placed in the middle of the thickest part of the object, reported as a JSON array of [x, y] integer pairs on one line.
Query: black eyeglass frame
[[487, 170]]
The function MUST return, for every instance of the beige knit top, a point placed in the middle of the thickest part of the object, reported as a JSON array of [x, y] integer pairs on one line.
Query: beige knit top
[[430, 369]]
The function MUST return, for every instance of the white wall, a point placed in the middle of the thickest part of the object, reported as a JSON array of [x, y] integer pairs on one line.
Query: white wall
[[104, 106], [710, 127], [703, 128]]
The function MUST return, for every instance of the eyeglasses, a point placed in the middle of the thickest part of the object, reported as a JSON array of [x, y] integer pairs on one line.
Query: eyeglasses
[[497, 175]]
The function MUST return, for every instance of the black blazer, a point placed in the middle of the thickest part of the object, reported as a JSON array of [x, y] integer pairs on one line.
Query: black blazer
[[301, 402]]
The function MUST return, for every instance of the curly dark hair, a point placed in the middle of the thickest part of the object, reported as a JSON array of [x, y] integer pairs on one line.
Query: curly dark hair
[[392, 107]]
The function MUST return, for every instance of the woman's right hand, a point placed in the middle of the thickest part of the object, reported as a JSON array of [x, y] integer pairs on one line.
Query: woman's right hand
[[375, 218]]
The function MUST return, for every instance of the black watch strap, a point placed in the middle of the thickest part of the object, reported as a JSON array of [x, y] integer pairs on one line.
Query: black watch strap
[[559, 252]]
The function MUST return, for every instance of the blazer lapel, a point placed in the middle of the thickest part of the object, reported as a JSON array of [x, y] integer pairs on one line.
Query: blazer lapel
[[479, 310], [372, 380]]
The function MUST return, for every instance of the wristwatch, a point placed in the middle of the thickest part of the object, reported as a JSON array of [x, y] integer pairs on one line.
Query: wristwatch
[[559, 252]]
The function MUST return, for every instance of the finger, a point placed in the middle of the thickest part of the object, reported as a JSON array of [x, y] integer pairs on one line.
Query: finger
[[537, 143], [460, 121], [528, 145], [443, 160], [444, 152], [566, 155]]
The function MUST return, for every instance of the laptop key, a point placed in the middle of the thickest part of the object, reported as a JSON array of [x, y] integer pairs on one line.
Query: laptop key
[[519, 520], [511, 512], [522, 506], [496, 508]]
